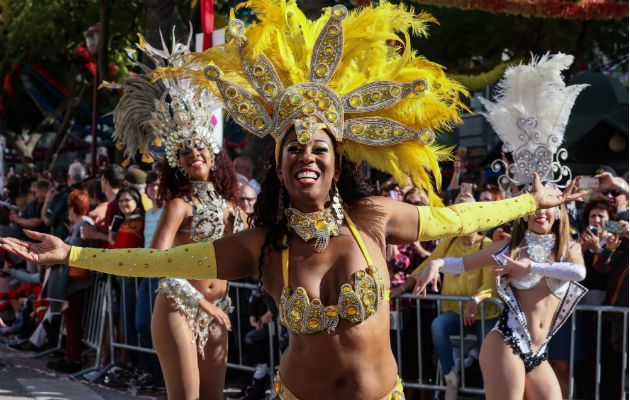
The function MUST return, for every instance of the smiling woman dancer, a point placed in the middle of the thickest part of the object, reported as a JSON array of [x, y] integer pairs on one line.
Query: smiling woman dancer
[[531, 112], [321, 260], [189, 325]]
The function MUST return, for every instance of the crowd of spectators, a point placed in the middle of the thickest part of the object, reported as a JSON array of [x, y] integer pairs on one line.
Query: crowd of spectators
[[120, 208]]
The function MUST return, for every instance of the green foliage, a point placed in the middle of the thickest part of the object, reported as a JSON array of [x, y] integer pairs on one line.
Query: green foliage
[[49, 31]]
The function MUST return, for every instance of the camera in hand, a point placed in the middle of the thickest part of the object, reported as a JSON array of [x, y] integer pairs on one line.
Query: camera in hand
[[593, 229], [116, 222]]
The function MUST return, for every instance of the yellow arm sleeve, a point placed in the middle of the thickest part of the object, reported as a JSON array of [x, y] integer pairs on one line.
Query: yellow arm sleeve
[[192, 261], [465, 218]]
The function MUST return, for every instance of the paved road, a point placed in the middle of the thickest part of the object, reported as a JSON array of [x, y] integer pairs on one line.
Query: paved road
[[22, 377]]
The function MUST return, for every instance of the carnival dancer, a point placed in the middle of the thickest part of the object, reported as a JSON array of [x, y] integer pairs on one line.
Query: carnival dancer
[[189, 325], [310, 84], [538, 268]]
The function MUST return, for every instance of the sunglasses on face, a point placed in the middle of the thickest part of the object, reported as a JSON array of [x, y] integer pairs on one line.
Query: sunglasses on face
[[614, 193]]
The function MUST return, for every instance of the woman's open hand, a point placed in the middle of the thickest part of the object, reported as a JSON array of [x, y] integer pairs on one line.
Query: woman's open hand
[[429, 275], [49, 250], [547, 197], [513, 270], [217, 313]]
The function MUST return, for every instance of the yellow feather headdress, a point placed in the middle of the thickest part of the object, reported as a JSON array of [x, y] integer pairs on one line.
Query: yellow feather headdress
[[381, 103]]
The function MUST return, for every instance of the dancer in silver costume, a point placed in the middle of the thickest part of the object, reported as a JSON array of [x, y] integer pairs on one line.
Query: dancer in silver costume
[[539, 267], [189, 324]]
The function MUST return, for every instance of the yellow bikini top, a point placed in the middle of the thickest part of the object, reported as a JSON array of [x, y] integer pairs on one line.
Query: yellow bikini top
[[356, 304]]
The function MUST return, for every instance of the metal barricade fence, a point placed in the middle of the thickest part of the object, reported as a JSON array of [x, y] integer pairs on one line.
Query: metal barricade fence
[[112, 306], [398, 330], [100, 305], [463, 388], [92, 322]]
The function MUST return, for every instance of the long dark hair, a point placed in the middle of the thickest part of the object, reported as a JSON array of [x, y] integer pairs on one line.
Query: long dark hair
[[174, 183], [137, 197], [352, 185]]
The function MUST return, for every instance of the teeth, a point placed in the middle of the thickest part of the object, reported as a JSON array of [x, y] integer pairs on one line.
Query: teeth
[[197, 163], [306, 174]]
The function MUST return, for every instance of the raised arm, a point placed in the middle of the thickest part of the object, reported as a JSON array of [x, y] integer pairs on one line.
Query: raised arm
[[231, 257], [407, 223], [429, 273]]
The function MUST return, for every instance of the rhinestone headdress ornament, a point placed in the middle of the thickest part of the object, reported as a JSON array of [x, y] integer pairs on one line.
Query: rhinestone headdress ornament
[[164, 112], [382, 103], [530, 113]]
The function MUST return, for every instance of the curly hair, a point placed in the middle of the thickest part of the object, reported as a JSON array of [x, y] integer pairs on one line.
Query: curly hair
[[602, 205], [352, 185], [174, 183]]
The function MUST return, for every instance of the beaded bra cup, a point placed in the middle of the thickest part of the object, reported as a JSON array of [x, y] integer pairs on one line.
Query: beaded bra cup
[[208, 205], [356, 303]]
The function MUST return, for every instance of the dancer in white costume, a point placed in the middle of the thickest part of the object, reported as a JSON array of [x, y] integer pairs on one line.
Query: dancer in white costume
[[538, 269]]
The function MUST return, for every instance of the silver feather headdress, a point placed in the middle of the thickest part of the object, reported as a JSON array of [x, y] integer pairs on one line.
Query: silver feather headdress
[[166, 111], [530, 113]]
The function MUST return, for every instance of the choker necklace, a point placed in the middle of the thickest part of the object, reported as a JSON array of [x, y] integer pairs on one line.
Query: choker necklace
[[539, 246], [319, 225]]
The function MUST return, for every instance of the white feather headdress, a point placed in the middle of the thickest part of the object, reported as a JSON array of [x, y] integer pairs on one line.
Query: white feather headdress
[[530, 113], [166, 111]]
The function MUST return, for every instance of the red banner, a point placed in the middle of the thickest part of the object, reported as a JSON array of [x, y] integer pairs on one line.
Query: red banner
[[207, 22]]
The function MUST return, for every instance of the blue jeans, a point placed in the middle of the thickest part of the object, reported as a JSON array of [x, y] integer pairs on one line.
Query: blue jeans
[[147, 292], [447, 324], [128, 310]]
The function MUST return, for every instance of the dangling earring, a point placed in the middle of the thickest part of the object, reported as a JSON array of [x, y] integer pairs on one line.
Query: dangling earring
[[280, 203], [212, 163], [181, 170], [558, 213], [337, 208]]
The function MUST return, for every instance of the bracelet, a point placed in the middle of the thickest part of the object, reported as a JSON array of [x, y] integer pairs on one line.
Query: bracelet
[[452, 265], [475, 299]]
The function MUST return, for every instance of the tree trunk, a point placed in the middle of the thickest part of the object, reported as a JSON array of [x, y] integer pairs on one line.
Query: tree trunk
[[76, 90]]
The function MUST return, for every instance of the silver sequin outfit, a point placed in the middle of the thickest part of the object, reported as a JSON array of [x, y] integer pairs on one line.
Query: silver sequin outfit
[[207, 224]]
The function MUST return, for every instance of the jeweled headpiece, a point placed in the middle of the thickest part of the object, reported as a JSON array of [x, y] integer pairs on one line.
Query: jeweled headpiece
[[337, 73], [530, 113], [166, 111]]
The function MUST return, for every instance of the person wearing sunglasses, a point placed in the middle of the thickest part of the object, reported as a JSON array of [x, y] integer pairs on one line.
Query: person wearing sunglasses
[[615, 190]]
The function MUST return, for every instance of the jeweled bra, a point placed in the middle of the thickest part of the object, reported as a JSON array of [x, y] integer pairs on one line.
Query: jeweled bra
[[355, 304], [208, 207]]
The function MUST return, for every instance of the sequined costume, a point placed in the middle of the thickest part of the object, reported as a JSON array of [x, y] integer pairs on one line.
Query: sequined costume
[[356, 304], [512, 324], [281, 392], [207, 224]]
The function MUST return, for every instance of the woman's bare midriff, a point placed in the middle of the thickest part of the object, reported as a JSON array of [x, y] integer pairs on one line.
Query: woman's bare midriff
[[539, 306], [356, 362]]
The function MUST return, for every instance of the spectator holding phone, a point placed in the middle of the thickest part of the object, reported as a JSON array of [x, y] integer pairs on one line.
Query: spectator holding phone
[[592, 239], [613, 189], [124, 235]]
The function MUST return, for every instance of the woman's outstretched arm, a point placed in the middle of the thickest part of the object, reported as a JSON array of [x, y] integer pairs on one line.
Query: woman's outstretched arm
[[231, 257], [407, 223]]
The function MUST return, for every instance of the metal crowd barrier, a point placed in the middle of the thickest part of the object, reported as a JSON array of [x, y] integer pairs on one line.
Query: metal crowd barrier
[[398, 329], [598, 310], [92, 322], [99, 306]]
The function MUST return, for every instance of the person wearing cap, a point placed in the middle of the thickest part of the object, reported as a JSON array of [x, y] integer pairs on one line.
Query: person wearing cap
[[137, 178]]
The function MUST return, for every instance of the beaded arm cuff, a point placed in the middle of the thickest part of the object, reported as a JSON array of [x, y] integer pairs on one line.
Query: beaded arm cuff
[[567, 271], [465, 218], [452, 265], [192, 261]]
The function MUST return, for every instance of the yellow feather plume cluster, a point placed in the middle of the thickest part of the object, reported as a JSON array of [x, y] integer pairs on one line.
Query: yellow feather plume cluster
[[287, 38]]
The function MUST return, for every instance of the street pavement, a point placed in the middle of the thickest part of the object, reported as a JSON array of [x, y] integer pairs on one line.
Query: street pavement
[[23, 377]]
